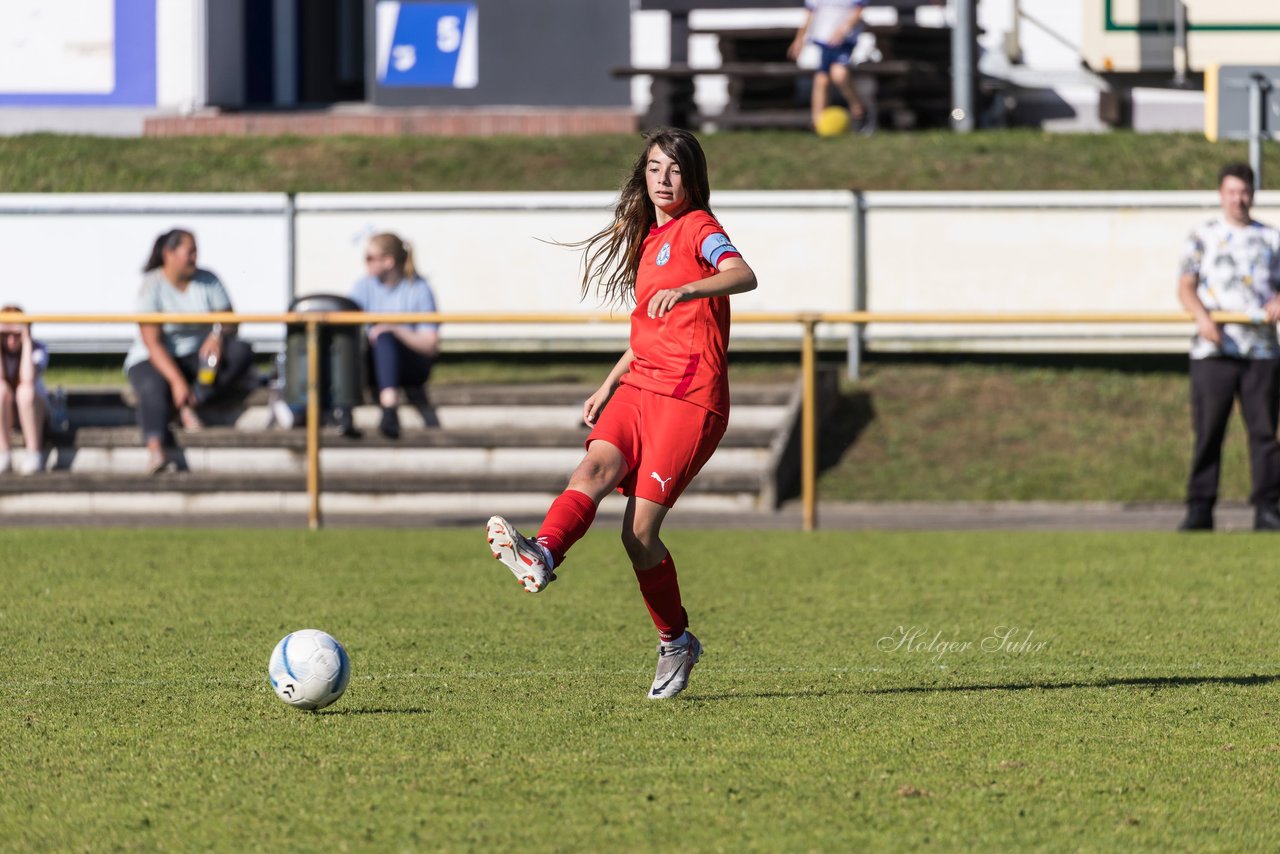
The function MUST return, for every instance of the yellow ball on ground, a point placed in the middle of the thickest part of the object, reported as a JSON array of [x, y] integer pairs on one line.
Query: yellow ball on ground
[[832, 121]]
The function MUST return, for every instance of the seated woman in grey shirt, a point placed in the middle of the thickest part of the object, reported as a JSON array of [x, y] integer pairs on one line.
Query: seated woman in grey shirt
[[165, 359]]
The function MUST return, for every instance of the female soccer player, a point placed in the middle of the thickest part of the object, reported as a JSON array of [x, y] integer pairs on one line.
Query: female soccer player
[[668, 396]]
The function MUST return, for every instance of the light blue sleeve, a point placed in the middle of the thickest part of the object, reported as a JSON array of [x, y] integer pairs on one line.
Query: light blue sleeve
[[358, 294], [425, 300]]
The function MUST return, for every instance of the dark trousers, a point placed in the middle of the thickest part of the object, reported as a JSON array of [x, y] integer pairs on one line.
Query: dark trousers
[[393, 365], [1215, 383], [155, 400]]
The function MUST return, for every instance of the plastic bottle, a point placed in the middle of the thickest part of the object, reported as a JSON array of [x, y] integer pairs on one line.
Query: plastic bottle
[[205, 377], [282, 415]]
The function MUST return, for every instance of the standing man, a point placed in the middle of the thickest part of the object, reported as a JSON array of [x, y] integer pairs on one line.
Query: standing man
[[1232, 263]]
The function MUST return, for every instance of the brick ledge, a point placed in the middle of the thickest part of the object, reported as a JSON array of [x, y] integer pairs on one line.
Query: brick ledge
[[417, 122]]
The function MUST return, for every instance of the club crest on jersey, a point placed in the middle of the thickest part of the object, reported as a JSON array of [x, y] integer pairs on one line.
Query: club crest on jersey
[[664, 254]]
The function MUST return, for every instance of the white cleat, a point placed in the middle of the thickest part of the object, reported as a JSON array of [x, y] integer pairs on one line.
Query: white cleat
[[675, 662], [528, 560]]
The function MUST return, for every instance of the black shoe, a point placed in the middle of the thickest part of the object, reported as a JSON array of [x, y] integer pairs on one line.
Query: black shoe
[[390, 424], [1266, 518], [1199, 518], [346, 423]]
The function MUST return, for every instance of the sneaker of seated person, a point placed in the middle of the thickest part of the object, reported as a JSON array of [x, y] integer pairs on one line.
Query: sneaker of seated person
[[6, 462], [345, 423], [32, 462], [282, 414], [157, 461], [190, 421], [390, 424]]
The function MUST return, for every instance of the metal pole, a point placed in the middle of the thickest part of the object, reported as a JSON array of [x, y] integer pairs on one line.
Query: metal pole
[[853, 363], [1013, 41], [200, 58], [1257, 119], [1179, 42], [808, 427], [284, 22], [291, 246], [963, 65], [313, 425]]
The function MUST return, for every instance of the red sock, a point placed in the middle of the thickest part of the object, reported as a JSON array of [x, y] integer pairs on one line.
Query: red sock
[[569, 517], [661, 591]]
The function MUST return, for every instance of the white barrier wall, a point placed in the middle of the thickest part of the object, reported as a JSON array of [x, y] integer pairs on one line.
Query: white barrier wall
[[961, 252], [1032, 253], [497, 252], [84, 253]]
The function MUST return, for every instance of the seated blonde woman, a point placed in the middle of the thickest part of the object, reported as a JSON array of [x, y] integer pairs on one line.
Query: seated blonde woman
[[401, 354]]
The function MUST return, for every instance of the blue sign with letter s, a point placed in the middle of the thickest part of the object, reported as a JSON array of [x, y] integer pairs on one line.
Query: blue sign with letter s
[[427, 44]]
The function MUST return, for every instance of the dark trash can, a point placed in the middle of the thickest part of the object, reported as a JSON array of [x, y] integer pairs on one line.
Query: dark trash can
[[342, 358]]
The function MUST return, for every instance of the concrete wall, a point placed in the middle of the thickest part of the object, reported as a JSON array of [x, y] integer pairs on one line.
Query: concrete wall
[[101, 241], [1027, 253], [959, 252], [496, 252]]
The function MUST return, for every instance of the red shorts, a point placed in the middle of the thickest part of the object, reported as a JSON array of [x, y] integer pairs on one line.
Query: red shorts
[[665, 441]]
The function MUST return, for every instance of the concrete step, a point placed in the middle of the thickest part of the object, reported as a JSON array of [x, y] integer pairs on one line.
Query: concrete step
[[490, 449], [462, 416], [354, 459], [296, 439], [550, 482], [550, 394], [469, 508]]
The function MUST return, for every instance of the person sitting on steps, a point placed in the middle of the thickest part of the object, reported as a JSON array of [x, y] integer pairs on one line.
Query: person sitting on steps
[[165, 359], [400, 355]]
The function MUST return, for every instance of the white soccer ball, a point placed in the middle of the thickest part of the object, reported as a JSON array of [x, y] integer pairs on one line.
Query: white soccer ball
[[309, 669]]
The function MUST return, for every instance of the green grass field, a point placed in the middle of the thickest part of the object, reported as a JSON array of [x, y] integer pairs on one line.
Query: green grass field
[[755, 160], [1137, 707]]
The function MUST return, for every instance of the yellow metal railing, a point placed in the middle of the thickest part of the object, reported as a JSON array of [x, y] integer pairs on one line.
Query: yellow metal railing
[[808, 355]]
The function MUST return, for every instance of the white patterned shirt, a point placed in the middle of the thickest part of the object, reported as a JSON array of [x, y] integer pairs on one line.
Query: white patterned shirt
[[1238, 270], [828, 16]]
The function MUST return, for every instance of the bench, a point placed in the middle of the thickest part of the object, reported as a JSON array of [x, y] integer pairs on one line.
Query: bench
[[770, 94], [909, 83], [497, 446]]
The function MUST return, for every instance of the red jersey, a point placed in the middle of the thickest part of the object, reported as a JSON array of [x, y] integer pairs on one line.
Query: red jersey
[[683, 354]]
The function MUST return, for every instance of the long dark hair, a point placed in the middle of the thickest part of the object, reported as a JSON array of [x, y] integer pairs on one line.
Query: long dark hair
[[170, 241], [611, 256]]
